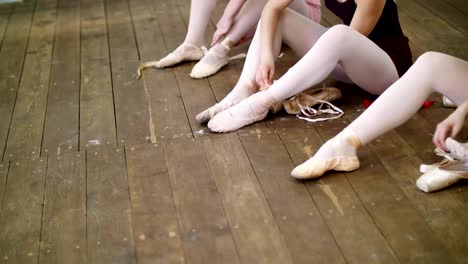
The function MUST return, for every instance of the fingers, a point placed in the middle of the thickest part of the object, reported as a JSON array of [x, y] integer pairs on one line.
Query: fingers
[[265, 74], [258, 77], [440, 135], [216, 37], [271, 75]]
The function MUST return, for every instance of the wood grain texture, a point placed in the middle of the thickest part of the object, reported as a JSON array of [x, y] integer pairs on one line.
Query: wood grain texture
[[26, 129], [63, 234], [109, 228], [21, 214], [154, 214], [61, 128], [254, 229], [97, 119], [206, 232], [12, 55]]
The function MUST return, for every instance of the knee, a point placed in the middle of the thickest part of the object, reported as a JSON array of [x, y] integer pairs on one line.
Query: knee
[[431, 58], [339, 33]]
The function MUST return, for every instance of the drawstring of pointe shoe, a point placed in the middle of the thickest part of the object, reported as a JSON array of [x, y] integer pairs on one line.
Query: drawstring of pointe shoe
[[310, 114]]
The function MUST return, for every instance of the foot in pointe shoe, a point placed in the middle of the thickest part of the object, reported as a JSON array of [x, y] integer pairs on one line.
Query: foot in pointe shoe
[[337, 154]]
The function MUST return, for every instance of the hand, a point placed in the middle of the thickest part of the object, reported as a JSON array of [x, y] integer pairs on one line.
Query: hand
[[451, 125], [266, 71], [222, 28]]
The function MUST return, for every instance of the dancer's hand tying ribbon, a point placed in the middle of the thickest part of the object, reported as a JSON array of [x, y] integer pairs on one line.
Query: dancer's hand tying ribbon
[[222, 28], [451, 126], [266, 71]]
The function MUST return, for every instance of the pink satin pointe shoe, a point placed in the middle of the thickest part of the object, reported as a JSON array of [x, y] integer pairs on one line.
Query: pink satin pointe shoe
[[341, 161], [442, 176], [446, 172]]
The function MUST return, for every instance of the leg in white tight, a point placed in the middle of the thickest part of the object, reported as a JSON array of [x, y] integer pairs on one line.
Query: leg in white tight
[[200, 15], [190, 49], [246, 21], [217, 56], [294, 29], [432, 72], [364, 63]]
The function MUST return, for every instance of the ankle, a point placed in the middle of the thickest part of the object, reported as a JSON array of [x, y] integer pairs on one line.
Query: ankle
[[350, 137], [227, 43]]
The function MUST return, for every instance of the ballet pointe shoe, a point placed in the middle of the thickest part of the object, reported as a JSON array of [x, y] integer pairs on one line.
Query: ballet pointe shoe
[[248, 111], [442, 176], [189, 52], [457, 151], [448, 103], [316, 167], [439, 152], [204, 69], [234, 123], [185, 52]]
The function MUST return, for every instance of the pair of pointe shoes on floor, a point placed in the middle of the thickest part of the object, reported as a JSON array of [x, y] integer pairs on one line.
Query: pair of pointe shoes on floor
[[209, 62], [447, 172]]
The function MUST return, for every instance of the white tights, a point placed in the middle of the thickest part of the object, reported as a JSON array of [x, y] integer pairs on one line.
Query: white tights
[[200, 15], [432, 72], [340, 51]]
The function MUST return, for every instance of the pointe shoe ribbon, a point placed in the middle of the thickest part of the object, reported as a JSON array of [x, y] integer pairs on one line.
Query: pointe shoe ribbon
[[442, 176], [309, 105], [457, 152], [315, 104], [439, 152], [310, 99]]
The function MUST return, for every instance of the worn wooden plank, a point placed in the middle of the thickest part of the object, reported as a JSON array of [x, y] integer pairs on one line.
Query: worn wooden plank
[[97, 120], [63, 102], [430, 32], [255, 231], [63, 235], [22, 212], [164, 101], [134, 124], [154, 215], [3, 180], [459, 4], [4, 16], [93, 38], [109, 228], [206, 233], [454, 16], [11, 64], [309, 240], [121, 35], [26, 129], [132, 116], [343, 211]]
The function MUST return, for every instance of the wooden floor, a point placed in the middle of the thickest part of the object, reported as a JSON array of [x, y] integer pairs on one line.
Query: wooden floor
[[98, 167]]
